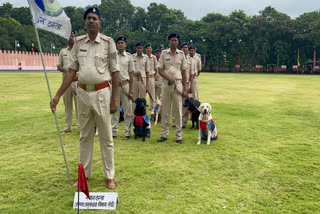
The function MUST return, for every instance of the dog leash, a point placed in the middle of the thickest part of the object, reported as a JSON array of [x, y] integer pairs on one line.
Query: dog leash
[[185, 96], [146, 90], [126, 93]]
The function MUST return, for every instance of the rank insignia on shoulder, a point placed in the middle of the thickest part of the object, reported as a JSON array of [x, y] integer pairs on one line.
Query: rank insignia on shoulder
[[114, 55], [83, 50]]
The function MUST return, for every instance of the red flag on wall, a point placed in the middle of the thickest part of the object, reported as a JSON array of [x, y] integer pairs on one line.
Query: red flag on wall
[[82, 181], [314, 60]]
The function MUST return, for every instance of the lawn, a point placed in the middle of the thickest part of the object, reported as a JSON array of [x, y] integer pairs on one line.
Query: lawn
[[267, 158]]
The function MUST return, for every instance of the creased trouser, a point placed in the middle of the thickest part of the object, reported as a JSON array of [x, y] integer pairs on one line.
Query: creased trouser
[[152, 92], [158, 88], [68, 98], [139, 90], [94, 109], [185, 111], [195, 89], [126, 109], [168, 96]]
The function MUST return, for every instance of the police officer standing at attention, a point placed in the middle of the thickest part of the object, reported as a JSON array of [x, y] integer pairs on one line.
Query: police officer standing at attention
[[189, 78], [125, 93], [152, 72], [70, 94], [94, 55], [172, 67], [192, 52], [157, 78], [141, 74]]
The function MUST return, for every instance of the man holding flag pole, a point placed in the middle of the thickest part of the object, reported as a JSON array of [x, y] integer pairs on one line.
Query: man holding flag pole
[[94, 55]]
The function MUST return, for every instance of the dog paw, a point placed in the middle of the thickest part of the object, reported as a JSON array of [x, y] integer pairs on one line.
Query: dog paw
[[199, 143]]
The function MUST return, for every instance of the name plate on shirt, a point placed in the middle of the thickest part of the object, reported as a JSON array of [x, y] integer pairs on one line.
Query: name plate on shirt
[[98, 201]]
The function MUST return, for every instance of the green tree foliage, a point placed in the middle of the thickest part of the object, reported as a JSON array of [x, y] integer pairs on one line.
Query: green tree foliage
[[271, 37]]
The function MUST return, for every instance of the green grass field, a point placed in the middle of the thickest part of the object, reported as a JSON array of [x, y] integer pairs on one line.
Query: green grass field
[[267, 158]]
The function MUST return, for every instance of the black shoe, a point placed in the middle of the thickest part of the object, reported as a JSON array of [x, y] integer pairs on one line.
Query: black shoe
[[179, 141], [126, 137], [183, 127], [114, 136], [173, 126], [161, 139]]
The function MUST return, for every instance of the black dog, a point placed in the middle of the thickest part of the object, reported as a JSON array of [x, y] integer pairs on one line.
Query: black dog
[[193, 105], [141, 121]]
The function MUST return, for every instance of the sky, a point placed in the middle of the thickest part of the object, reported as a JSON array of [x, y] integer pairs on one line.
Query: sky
[[196, 9]]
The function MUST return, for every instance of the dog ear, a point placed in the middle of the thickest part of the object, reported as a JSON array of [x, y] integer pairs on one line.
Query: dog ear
[[144, 101], [137, 100], [209, 106]]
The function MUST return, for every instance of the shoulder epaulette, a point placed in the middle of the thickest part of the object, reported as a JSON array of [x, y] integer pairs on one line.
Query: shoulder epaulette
[[129, 54], [106, 38], [81, 37]]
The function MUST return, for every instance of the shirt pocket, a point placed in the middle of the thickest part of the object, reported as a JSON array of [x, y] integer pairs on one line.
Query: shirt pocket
[[101, 62], [82, 58]]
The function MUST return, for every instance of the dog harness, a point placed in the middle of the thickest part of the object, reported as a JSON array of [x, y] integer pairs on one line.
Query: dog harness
[[212, 125], [121, 108], [139, 124]]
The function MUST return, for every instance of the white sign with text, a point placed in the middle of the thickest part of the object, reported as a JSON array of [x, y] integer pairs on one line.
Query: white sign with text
[[97, 201]]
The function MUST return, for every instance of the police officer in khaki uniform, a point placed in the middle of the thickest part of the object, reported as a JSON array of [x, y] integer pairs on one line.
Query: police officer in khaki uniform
[[172, 67], [125, 93], [70, 94], [192, 52], [157, 78], [141, 74], [189, 78], [94, 55], [152, 73]]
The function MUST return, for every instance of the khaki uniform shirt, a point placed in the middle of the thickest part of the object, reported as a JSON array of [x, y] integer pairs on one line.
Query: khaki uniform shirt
[[190, 68], [158, 77], [197, 59], [173, 64], [152, 64], [141, 64], [64, 58], [95, 60], [126, 65]]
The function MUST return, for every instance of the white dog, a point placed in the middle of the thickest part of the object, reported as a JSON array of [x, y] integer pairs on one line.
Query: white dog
[[155, 112], [207, 128]]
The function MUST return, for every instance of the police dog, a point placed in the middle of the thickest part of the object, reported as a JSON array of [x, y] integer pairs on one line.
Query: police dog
[[192, 106], [141, 121], [156, 113], [207, 130]]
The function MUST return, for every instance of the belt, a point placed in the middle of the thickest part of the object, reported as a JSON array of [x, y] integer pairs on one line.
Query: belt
[[75, 79], [138, 78], [151, 76], [93, 87], [124, 82]]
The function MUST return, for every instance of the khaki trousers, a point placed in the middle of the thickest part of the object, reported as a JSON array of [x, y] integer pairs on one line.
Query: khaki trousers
[[158, 88], [68, 98], [125, 101], [139, 90], [195, 93], [185, 112], [152, 92], [168, 96], [94, 109]]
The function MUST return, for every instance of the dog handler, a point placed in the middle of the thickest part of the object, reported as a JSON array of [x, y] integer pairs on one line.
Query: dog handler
[[141, 74], [195, 56], [70, 94], [125, 92], [172, 67], [94, 55], [189, 78]]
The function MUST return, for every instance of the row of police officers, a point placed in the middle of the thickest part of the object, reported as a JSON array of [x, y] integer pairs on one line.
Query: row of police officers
[[98, 74]]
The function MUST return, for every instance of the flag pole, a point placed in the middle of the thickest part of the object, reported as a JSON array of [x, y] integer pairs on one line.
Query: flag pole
[[55, 115]]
